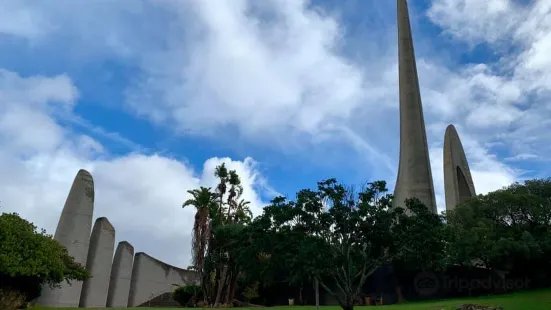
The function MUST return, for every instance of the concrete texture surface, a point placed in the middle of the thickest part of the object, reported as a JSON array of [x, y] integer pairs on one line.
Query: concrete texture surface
[[100, 259], [73, 232], [152, 277], [121, 273], [414, 171], [458, 182]]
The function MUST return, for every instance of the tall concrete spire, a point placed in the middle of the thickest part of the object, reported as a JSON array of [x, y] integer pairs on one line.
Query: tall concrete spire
[[458, 183], [414, 171], [73, 232]]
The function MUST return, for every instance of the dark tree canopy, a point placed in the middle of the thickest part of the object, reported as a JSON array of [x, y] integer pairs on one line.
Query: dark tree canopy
[[337, 237], [508, 229], [331, 234]]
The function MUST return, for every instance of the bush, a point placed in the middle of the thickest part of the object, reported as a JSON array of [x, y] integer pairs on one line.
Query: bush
[[31, 286], [251, 292], [30, 259], [184, 294], [11, 300]]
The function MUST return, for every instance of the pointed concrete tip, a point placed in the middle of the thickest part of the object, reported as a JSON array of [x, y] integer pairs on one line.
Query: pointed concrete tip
[[104, 224], [127, 245], [451, 134], [84, 172], [85, 175], [450, 129]]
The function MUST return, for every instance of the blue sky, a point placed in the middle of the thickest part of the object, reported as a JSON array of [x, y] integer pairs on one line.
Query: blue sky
[[150, 96]]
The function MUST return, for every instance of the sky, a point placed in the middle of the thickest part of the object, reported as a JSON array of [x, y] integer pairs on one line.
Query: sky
[[151, 95]]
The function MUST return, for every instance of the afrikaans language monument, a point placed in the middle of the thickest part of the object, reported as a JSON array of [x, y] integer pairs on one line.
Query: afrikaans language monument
[[414, 170], [458, 183], [130, 280], [127, 280]]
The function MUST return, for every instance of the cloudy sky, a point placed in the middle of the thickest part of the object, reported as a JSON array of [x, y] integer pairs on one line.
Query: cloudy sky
[[151, 95]]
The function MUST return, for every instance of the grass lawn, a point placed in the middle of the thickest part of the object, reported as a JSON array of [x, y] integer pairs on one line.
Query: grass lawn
[[534, 300]]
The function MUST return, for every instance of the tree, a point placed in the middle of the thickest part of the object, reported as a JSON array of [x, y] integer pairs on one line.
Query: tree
[[30, 259], [357, 234], [419, 241], [330, 234], [219, 218], [228, 270], [204, 202], [508, 229]]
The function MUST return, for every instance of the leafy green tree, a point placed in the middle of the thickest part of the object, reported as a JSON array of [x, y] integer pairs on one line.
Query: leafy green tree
[[220, 217], [508, 229], [419, 241], [29, 258], [330, 234]]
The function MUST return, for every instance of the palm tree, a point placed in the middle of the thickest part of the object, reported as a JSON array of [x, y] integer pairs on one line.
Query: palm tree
[[235, 191], [221, 172], [242, 213], [203, 200]]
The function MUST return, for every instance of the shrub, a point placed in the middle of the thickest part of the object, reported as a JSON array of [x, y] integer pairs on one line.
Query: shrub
[[251, 292], [30, 259], [11, 300], [184, 294]]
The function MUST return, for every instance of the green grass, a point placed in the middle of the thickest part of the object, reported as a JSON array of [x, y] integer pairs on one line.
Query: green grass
[[533, 300]]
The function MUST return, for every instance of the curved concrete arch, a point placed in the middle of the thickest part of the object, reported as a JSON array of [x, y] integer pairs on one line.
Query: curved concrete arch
[[121, 273], [458, 182], [152, 277], [73, 232], [100, 258]]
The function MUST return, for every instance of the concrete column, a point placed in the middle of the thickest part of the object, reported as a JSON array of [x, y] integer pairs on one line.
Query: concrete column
[[100, 258], [121, 272], [73, 232], [414, 171]]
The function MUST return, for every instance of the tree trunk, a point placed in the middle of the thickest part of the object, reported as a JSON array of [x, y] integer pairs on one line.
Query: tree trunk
[[214, 287], [399, 295], [233, 284], [317, 289], [221, 285], [227, 292], [300, 300]]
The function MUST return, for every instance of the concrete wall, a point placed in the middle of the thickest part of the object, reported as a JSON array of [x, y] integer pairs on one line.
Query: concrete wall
[[414, 170], [151, 278], [100, 258], [458, 182], [121, 272], [73, 232]]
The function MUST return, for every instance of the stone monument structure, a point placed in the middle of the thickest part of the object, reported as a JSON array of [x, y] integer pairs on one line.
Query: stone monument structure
[[152, 277], [414, 170], [121, 273], [126, 280], [73, 232], [458, 183], [100, 257]]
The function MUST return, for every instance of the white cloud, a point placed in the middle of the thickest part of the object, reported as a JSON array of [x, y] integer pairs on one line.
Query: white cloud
[[140, 194], [266, 77], [516, 101], [277, 71], [17, 18], [473, 20], [522, 156]]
